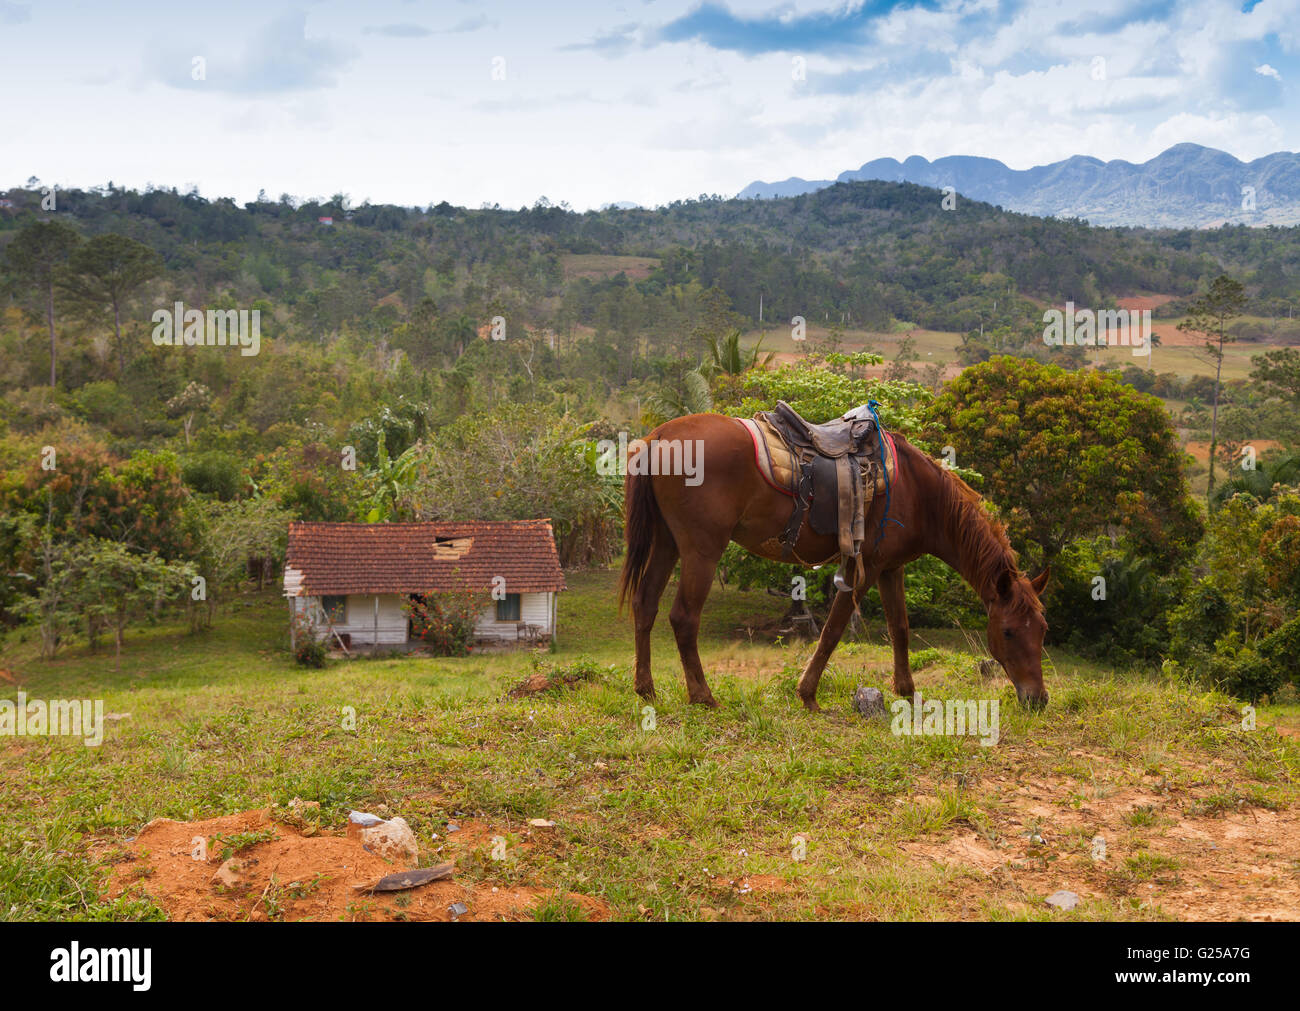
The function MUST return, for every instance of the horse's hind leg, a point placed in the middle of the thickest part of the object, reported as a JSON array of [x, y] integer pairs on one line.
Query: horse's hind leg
[[895, 604], [697, 578], [645, 605]]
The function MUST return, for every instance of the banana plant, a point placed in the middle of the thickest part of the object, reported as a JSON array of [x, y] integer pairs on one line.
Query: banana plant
[[391, 479]]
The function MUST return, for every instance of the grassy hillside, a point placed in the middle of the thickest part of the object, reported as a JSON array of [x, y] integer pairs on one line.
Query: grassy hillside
[[695, 819]]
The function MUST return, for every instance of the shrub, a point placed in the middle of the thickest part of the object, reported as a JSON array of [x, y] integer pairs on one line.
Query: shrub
[[1244, 674], [445, 621], [308, 649], [310, 652]]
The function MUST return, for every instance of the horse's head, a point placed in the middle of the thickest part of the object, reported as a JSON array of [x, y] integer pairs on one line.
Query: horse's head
[[1015, 633]]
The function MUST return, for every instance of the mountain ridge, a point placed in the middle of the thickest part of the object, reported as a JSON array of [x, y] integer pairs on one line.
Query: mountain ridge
[[1185, 186]]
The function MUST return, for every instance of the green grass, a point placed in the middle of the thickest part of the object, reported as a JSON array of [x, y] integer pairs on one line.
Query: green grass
[[671, 821]]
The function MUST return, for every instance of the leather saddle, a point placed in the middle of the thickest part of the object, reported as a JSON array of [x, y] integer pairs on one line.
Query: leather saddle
[[835, 470], [851, 433]]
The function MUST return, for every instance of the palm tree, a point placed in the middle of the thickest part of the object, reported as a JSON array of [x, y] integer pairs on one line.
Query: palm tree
[[461, 333], [1260, 481], [728, 357], [691, 396]]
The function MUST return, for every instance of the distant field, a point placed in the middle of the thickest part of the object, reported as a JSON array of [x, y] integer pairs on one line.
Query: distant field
[[1177, 352], [597, 266]]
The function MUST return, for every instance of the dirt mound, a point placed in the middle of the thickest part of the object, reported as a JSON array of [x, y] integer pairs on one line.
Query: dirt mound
[[543, 682], [258, 868]]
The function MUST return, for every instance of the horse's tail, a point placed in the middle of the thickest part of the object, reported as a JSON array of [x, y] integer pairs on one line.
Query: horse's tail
[[642, 521]]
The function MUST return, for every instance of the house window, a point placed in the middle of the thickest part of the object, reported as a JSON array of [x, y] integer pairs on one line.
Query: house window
[[335, 608], [508, 608]]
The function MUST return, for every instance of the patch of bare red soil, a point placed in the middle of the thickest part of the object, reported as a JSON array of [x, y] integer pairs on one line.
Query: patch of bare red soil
[[292, 876], [1201, 450]]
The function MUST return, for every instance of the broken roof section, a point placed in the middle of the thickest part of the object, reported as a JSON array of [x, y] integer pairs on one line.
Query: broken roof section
[[341, 558]]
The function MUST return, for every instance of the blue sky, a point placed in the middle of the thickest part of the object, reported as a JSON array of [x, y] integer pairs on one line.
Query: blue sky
[[413, 103]]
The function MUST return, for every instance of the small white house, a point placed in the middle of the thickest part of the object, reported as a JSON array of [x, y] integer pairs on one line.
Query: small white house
[[353, 580]]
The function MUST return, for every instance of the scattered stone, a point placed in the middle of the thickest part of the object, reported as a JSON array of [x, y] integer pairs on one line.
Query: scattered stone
[[541, 823], [452, 827], [1063, 900], [990, 670], [228, 873], [870, 702], [458, 909], [393, 839]]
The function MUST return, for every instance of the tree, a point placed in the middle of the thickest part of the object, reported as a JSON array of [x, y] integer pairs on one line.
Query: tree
[[391, 479], [689, 396], [106, 273], [117, 586], [460, 333], [903, 366], [516, 462], [1278, 372], [139, 502], [1067, 455], [1238, 625], [35, 255], [1209, 316], [232, 533], [1267, 478], [190, 401], [728, 357], [48, 605]]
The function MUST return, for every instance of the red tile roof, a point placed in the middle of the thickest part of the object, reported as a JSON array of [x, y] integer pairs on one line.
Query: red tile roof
[[339, 558]]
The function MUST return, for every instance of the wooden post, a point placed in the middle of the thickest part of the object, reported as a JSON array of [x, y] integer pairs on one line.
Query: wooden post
[[376, 639], [293, 625]]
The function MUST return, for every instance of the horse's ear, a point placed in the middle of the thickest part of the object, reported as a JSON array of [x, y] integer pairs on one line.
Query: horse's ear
[[1039, 582], [1003, 586]]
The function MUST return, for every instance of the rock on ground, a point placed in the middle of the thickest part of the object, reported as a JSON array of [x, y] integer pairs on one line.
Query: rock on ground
[[869, 701], [392, 839]]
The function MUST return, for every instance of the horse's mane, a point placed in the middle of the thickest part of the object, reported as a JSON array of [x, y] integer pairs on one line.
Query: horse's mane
[[980, 539]]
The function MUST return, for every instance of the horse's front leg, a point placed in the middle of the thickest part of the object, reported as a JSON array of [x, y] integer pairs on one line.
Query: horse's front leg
[[894, 602], [841, 610]]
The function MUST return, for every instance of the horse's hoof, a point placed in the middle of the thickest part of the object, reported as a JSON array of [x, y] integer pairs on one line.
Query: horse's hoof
[[706, 700], [646, 693], [811, 705]]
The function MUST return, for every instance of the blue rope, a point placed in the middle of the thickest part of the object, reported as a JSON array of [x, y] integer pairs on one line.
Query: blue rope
[[872, 406]]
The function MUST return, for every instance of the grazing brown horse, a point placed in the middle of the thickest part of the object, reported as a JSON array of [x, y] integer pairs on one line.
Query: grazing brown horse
[[931, 511]]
